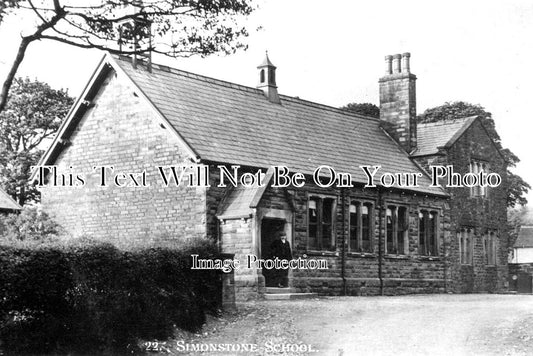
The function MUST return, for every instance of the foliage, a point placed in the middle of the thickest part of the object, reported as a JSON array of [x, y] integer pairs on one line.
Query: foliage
[[34, 113], [32, 306], [367, 109], [170, 27], [517, 187], [517, 190], [516, 218], [30, 224], [96, 299], [5, 5]]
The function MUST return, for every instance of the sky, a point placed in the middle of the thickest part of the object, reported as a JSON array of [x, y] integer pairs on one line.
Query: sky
[[333, 53]]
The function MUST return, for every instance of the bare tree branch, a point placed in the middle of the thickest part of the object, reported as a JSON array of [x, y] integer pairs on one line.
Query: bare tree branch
[[21, 52], [36, 11], [204, 27]]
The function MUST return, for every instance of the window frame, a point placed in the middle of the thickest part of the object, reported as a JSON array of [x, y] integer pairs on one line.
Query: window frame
[[360, 232], [428, 232], [475, 166], [395, 221], [466, 239], [320, 224], [489, 247]]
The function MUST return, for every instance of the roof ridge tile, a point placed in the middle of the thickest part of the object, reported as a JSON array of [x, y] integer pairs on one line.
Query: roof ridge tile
[[248, 89]]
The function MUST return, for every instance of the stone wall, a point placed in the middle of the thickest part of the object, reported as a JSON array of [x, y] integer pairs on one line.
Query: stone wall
[[411, 272], [236, 237], [122, 131], [476, 212]]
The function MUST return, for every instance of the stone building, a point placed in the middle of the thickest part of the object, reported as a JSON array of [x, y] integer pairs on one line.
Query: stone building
[[523, 246], [521, 265], [383, 239]]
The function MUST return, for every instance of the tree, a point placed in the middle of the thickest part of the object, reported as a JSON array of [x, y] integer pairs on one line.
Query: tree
[[31, 224], [33, 113], [171, 27], [517, 188], [367, 109], [516, 218]]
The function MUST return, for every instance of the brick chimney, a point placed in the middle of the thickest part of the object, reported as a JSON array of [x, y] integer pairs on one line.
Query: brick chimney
[[397, 100], [267, 80]]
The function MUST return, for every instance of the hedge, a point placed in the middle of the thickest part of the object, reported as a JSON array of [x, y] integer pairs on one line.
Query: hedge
[[97, 299]]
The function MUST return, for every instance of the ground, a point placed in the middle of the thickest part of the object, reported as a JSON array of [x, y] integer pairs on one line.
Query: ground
[[474, 324]]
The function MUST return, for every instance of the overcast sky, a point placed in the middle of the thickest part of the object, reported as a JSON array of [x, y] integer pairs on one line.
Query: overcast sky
[[332, 52]]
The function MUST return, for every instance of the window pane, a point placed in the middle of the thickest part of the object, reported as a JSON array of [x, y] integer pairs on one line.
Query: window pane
[[326, 236], [353, 227], [486, 248], [313, 238], [327, 210], [313, 223], [389, 229], [421, 234], [320, 223], [367, 229], [492, 247], [468, 247], [461, 248], [402, 229], [313, 217], [432, 237], [327, 223]]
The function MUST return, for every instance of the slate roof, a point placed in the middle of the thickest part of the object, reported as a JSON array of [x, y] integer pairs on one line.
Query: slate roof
[[525, 237], [236, 204], [430, 136], [7, 203], [229, 123], [240, 200], [266, 62]]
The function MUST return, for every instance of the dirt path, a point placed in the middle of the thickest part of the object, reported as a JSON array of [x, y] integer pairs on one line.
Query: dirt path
[[420, 325], [407, 325]]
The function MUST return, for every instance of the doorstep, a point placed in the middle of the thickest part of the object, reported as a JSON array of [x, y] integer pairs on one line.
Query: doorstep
[[273, 293]]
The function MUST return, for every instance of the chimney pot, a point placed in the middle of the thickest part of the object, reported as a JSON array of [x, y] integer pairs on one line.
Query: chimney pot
[[406, 67], [388, 65], [396, 63]]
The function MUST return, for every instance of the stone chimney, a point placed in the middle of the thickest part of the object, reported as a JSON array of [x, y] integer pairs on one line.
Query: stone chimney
[[397, 100], [267, 80]]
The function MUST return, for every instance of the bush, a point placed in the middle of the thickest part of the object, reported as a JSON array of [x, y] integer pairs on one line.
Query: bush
[[97, 299], [31, 224], [32, 303]]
